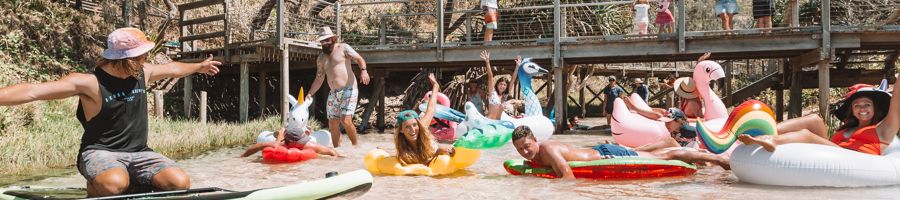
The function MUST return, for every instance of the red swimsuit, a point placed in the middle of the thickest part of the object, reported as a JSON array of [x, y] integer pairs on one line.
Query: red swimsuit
[[864, 140]]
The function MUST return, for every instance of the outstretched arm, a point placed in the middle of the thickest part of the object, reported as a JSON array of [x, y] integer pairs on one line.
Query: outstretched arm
[[432, 101], [490, 71], [257, 147], [888, 127], [70, 85], [515, 74], [179, 69]]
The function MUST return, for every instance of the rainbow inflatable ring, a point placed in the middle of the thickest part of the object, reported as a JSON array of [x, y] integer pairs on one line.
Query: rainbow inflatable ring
[[751, 117]]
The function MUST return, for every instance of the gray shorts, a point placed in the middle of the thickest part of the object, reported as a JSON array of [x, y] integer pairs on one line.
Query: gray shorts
[[141, 166]]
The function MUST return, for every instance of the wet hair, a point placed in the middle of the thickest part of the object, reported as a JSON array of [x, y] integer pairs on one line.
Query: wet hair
[[852, 121], [422, 153], [522, 132], [497, 85], [133, 66]]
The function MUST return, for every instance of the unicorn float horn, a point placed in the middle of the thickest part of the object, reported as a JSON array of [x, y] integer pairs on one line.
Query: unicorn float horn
[[300, 96], [751, 117]]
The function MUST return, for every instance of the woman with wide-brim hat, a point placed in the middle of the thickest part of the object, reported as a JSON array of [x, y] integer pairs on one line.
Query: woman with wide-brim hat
[[686, 91], [870, 117]]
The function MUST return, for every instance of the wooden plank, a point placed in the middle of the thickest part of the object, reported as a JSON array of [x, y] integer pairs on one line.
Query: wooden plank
[[596, 96], [574, 101], [220, 17], [202, 36], [199, 4]]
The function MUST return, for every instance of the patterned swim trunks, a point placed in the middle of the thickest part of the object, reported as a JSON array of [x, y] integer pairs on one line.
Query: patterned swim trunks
[[490, 18], [141, 166], [342, 102]]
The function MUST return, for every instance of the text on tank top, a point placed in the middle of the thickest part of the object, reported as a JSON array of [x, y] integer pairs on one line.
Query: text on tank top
[[121, 124]]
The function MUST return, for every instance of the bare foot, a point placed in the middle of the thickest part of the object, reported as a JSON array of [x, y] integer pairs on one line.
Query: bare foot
[[765, 142]]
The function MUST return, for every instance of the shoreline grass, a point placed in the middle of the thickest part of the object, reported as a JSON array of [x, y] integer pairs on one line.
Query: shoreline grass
[[49, 143]]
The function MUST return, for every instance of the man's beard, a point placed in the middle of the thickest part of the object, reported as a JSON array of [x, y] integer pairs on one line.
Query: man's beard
[[327, 49]]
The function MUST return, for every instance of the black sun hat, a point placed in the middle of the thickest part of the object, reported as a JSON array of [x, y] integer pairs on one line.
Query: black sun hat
[[879, 95]]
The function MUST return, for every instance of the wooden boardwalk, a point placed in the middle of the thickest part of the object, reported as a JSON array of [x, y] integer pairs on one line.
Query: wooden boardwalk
[[801, 48]]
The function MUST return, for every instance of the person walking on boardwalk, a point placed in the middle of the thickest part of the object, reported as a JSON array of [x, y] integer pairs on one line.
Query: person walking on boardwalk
[[335, 63], [491, 15], [114, 156]]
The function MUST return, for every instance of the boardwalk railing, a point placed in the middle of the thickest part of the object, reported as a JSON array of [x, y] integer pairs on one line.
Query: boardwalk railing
[[399, 24]]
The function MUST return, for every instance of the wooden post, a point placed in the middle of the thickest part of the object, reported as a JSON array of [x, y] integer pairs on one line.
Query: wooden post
[[203, 107], [382, 32], [158, 103], [244, 105], [681, 27], [581, 94], [779, 91], [825, 61], [279, 24], [779, 102], [558, 69], [795, 105], [469, 29], [262, 93], [285, 62], [125, 19], [824, 81], [337, 18], [381, 100], [794, 7], [188, 94], [285, 83], [373, 100], [440, 29]]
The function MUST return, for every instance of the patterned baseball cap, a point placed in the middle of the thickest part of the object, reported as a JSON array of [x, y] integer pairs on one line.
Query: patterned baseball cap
[[673, 114]]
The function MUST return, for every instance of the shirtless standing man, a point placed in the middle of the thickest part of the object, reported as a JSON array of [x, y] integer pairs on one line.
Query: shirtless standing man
[[335, 63]]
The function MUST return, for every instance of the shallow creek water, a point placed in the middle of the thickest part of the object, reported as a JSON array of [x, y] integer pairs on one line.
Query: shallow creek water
[[484, 180]]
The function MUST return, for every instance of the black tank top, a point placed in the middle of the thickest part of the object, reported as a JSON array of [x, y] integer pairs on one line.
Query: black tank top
[[121, 125]]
